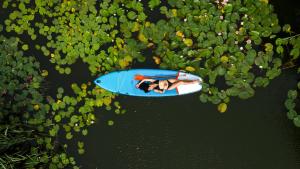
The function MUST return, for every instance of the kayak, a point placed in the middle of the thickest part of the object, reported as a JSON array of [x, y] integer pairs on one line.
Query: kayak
[[124, 82]]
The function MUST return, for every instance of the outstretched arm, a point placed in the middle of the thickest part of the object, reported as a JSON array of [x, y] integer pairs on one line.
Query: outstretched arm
[[159, 91], [144, 80]]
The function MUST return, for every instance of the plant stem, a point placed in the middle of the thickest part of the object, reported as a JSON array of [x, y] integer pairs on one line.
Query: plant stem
[[291, 37]]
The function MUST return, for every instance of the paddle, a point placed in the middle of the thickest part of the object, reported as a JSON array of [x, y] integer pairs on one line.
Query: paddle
[[141, 77]]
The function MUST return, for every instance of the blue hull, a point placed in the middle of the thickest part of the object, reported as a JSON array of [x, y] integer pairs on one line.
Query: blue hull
[[123, 82]]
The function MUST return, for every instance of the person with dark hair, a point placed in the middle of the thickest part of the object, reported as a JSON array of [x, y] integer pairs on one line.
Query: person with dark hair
[[160, 86]]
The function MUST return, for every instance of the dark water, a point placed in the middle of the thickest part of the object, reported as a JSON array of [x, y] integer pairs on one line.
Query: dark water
[[182, 133]]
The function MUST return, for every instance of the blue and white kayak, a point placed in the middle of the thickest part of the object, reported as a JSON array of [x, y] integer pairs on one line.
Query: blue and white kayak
[[123, 82]]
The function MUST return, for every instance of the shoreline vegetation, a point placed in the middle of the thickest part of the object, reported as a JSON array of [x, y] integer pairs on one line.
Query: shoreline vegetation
[[234, 46]]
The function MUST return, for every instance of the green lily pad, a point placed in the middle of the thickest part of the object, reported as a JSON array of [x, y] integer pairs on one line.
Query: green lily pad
[[110, 122], [25, 47], [297, 121]]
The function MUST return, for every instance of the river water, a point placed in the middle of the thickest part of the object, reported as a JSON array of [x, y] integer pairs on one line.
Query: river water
[[183, 133]]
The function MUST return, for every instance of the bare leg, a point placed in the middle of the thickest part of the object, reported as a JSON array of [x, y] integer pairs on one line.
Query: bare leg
[[182, 82], [172, 80]]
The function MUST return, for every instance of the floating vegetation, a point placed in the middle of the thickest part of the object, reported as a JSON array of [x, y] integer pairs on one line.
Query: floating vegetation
[[97, 32], [77, 112], [23, 108], [290, 104], [293, 98], [222, 42], [233, 45], [23, 112], [222, 107]]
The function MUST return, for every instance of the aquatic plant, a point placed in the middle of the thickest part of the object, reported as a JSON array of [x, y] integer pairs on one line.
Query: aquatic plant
[[23, 111], [97, 32], [230, 43], [77, 112], [226, 43], [291, 46], [65, 112]]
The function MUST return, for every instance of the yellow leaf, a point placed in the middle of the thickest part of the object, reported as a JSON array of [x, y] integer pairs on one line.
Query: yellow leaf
[[268, 47], [99, 103], [73, 9], [174, 12], [142, 38], [44, 73], [136, 27], [180, 34], [188, 42], [190, 69], [36, 107], [52, 55], [150, 44], [123, 63], [83, 86], [120, 43], [156, 59], [265, 1], [107, 101], [147, 24], [128, 58], [224, 59], [222, 107]]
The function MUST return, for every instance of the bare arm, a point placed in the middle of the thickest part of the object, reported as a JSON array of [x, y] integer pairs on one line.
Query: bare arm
[[145, 80], [159, 91]]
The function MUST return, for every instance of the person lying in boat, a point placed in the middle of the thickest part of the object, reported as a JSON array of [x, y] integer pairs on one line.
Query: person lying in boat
[[160, 86]]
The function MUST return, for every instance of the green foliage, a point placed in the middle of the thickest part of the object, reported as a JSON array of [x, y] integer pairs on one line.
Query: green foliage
[[80, 31], [224, 41], [18, 85], [25, 47], [153, 3], [230, 43], [290, 104], [293, 98], [23, 111], [80, 147], [110, 122]]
